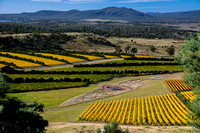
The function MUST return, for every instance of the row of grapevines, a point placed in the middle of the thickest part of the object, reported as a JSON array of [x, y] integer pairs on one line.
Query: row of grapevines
[[177, 84], [151, 110], [188, 95]]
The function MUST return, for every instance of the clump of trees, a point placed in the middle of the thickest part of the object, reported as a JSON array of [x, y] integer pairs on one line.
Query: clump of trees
[[18, 117], [189, 57]]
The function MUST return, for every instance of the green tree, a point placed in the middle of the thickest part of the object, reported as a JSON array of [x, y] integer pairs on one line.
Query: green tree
[[113, 128], [152, 48], [18, 117], [127, 48], [118, 49], [3, 86], [170, 50], [189, 57], [134, 50]]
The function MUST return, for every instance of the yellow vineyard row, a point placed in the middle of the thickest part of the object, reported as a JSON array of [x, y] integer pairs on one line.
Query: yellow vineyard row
[[68, 58], [19, 63], [90, 57], [154, 110], [188, 95], [35, 58], [177, 84]]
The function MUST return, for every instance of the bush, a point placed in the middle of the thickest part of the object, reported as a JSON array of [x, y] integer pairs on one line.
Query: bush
[[113, 128]]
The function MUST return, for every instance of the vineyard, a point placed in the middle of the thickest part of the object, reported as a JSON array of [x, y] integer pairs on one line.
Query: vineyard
[[35, 58], [110, 56], [18, 63], [90, 57], [68, 58], [177, 84], [125, 56], [87, 74], [151, 110], [188, 95]]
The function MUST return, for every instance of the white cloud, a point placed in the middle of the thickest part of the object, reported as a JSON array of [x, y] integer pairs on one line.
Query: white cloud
[[137, 1], [47, 0]]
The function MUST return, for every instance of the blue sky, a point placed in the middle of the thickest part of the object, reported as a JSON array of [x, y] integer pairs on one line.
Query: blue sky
[[19, 6]]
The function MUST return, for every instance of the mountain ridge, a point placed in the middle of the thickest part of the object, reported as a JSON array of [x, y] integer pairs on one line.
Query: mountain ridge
[[108, 13]]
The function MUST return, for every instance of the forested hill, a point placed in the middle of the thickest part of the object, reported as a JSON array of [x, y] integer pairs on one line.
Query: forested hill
[[109, 13], [193, 16]]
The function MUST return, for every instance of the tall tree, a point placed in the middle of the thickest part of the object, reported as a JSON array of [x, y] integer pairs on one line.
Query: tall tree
[[127, 48], [18, 117], [189, 57]]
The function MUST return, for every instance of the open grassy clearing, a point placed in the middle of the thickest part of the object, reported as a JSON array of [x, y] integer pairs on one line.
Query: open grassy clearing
[[143, 41], [142, 45]]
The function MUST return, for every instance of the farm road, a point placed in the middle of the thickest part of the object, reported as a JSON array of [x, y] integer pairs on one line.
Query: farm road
[[64, 127], [70, 65]]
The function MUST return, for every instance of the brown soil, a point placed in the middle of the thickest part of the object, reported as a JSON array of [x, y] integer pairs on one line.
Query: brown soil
[[100, 92]]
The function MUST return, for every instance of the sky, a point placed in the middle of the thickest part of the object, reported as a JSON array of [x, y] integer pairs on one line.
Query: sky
[[19, 6]]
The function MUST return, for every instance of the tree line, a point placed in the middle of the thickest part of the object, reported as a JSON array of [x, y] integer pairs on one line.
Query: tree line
[[147, 30], [39, 80], [127, 64], [10, 70]]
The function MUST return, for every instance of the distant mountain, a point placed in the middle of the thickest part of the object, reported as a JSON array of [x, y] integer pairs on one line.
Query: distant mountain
[[109, 13], [187, 16]]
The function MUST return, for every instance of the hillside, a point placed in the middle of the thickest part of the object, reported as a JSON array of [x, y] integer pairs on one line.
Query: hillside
[[187, 16], [113, 13], [108, 14]]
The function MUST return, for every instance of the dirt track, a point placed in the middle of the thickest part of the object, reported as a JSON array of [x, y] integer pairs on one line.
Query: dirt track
[[77, 127], [70, 65]]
